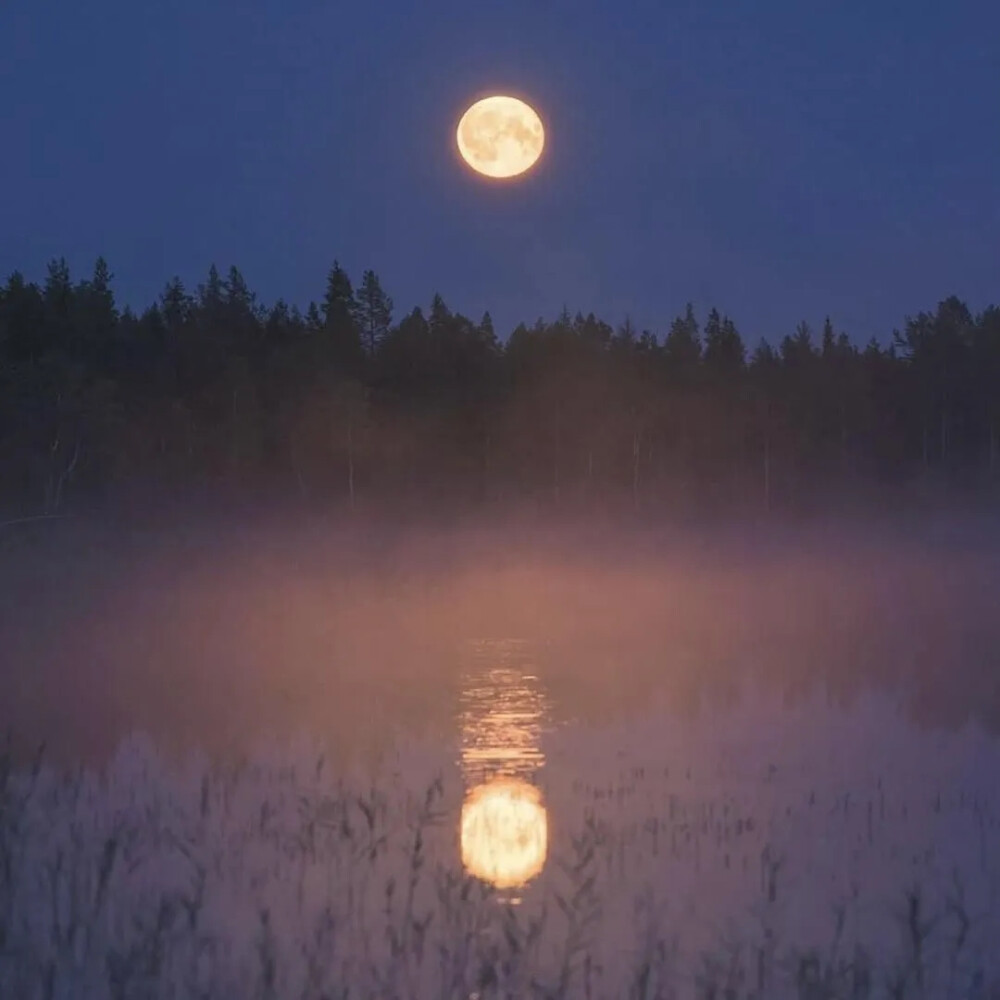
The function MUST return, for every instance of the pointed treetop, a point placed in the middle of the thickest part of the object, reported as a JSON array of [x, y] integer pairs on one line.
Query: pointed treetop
[[175, 303], [57, 281], [314, 321], [486, 327], [440, 314], [626, 332], [374, 310], [338, 302], [210, 293], [829, 338], [237, 292], [682, 346], [101, 281]]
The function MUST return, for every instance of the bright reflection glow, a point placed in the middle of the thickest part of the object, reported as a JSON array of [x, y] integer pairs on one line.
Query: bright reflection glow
[[504, 832], [504, 825]]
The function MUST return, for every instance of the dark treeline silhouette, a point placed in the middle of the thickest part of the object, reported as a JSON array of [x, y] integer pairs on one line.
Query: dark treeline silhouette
[[345, 403]]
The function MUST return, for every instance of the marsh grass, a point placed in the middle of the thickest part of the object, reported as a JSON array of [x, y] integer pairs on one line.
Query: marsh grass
[[273, 878]]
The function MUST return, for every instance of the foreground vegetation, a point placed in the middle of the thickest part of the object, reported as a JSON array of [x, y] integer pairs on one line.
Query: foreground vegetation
[[274, 880], [341, 403]]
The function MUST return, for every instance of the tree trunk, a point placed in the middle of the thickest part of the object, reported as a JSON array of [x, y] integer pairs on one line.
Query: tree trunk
[[58, 477]]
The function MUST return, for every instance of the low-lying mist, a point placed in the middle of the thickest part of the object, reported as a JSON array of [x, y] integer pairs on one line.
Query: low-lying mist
[[214, 631]]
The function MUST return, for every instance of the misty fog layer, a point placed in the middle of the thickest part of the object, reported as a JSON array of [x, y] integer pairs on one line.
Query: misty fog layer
[[215, 633]]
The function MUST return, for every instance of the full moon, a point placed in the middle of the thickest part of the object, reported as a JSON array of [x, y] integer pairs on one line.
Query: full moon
[[500, 136], [504, 833]]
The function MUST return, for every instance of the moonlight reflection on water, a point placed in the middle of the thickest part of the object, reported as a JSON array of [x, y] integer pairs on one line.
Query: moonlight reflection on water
[[504, 824], [504, 831]]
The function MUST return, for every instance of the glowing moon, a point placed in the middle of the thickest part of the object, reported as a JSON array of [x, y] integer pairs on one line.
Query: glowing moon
[[504, 833], [500, 136]]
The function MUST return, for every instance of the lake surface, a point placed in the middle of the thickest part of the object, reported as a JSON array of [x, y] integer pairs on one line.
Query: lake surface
[[706, 767]]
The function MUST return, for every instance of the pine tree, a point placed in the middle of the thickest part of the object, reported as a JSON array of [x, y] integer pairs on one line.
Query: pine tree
[[58, 296], [486, 331], [210, 294], [440, 317], [100, 288], [725, 353], [829, 343], [23, 320], [95, 317], [340, 319], [175, 304], [625, 337], [239, 299], [682, 348], [314, 318], [374, 310]]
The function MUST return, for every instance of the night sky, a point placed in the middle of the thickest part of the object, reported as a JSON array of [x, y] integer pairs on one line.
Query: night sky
[[780, 159]]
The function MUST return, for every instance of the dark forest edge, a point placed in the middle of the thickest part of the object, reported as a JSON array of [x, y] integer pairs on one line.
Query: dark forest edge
[[214, 394]]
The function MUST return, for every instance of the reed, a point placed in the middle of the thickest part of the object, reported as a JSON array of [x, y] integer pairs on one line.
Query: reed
[[274, 879]]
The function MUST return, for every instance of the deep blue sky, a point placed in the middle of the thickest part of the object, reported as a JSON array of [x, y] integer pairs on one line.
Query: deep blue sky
[[782, 159]]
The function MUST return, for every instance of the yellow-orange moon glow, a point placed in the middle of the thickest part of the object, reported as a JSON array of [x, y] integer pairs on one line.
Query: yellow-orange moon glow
[[500, 136], [505, 833]]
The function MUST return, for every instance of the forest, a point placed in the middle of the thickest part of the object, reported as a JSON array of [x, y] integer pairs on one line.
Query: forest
[[211, 392]]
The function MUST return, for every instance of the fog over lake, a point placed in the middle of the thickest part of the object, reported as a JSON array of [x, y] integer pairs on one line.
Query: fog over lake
[[719, 757]]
